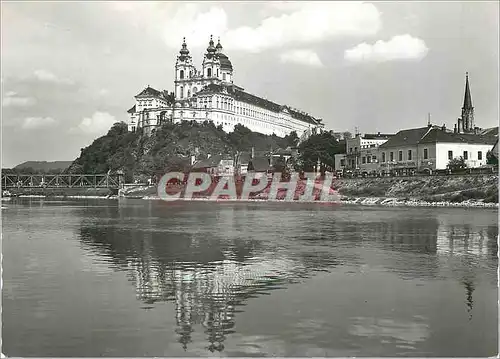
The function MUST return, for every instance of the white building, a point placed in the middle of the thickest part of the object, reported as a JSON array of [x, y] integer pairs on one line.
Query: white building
[[361, 153], [431, 148], [209, 94], [426, 148]]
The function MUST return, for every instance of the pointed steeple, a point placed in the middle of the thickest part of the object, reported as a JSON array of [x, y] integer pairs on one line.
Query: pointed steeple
[[467, 109], [467, 97]]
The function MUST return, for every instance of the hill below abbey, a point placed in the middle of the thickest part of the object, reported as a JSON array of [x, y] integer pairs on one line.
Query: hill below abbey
[[168, 149]]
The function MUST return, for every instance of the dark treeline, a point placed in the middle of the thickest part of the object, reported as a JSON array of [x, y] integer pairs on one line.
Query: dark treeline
[[171, 146]]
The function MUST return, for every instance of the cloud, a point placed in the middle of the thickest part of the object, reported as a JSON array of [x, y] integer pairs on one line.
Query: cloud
[[11, 99], [35, 123], [47, 76], [98, 124], [301, 57], [298, 23], [286, 5], [311, 22], [401, 47], [188, 21]]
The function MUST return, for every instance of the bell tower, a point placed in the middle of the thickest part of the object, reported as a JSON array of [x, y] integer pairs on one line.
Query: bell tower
[[183, 72], [211, 65]]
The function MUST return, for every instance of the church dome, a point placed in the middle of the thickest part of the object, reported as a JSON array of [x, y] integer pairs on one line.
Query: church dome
[[211, 48], [225, 63]]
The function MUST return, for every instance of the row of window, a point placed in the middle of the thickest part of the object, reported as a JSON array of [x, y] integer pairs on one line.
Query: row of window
[[209, 74], [226, 104], [409, 156], [465, 155], [368, 159]]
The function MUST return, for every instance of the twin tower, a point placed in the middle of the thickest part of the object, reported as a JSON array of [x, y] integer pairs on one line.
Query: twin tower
[[216, 69]]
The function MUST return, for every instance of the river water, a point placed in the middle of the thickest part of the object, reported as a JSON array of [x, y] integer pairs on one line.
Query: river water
[[149, 278]]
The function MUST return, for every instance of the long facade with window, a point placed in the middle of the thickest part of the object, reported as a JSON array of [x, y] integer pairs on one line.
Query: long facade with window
[[209, 94], [425, 148], [431, 148]]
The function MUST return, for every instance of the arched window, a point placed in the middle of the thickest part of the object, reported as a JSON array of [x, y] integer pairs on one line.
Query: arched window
[[217, 72], [209, 72], [181, 74], [189, 93], [182, 91], [195, 90]]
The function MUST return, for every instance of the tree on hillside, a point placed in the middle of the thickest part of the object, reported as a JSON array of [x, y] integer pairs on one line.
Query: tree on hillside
[[241, 138], [491, 158], [107, 152], [291, 140], [347, 135], [457, 164], [322, 146]]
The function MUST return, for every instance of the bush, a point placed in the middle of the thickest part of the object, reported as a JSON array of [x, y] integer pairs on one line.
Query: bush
[[457, 165], [492, 198]]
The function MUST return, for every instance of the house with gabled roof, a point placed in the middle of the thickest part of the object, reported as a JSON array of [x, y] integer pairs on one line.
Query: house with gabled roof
[[216, 165], [431, 148]]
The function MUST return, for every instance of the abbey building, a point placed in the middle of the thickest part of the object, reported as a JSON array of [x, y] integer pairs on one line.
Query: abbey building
[[209, 94]]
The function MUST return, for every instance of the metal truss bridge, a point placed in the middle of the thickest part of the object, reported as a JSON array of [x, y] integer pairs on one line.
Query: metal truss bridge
[[11, 180]]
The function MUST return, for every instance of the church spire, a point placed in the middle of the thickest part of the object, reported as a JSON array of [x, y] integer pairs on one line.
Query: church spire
[[467, 97], [467, 109]]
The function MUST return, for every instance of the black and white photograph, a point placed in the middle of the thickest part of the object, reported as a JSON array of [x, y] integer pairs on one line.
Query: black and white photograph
[[249, 178]]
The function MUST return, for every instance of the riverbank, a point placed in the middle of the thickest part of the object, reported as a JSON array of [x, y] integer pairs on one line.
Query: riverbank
[[456, 191], [359, 201], [452, 189]]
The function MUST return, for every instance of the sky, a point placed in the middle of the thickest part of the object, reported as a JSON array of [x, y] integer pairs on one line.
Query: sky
[[69, 70]]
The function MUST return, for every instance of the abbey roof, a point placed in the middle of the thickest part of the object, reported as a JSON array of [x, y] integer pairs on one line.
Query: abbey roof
[[243, 96], [149, 91]]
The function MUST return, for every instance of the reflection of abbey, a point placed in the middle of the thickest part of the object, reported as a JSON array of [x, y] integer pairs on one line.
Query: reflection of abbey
[[209, 94]]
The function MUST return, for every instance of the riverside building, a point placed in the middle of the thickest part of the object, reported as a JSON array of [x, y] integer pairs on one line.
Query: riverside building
[[431, 148], [428, 148], [209, 94], [361, 153]]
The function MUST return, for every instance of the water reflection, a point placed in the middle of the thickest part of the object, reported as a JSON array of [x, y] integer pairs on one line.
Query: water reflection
[[468, 248], [209, 263]]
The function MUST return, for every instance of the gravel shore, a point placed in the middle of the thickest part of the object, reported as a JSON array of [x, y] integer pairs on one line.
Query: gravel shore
[[362, 201]]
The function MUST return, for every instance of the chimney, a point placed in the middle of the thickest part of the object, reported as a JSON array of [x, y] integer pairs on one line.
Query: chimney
[[444, 127], [253, 152], [208, 155], [193, 160], [455, 129]]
